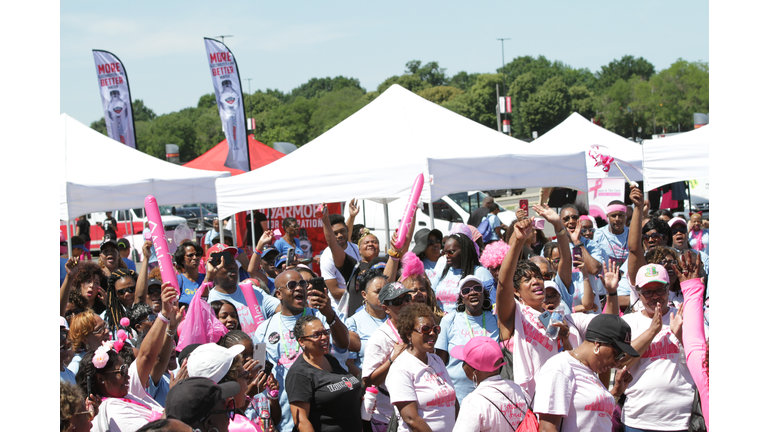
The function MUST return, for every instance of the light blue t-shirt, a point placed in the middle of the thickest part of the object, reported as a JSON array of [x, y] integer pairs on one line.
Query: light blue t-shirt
[[457, 329], [429, 267], [282, 247], [187, 287], [159, 391], [67, 376], [364, 325], [566, 294], [146, 233], [493, 222], [130, 264], [282, 352], [614, 246], [447, 289], [266, 305], [74, 365], [577, 285]]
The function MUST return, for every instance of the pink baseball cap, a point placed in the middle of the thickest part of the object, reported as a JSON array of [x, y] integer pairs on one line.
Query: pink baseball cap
[[481, 352], [678, 220], [651, 273]]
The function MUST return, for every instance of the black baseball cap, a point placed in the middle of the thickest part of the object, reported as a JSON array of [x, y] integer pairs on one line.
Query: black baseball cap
[[107, 241], [186, 352], [613, 330], [422, 237], [154, 281], [192, 399], [392, 291]]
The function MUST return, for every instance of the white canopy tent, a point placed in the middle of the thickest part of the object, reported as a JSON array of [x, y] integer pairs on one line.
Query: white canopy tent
[[676, 158], [579, 134], [101, 174], [377, 153]]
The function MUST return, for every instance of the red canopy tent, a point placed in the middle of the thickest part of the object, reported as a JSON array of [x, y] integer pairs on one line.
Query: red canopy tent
[[213, 160]]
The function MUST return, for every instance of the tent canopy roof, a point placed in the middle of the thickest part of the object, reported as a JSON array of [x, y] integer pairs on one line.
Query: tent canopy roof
[[377, 152], [213, 160], [677, 158], [101, 174]]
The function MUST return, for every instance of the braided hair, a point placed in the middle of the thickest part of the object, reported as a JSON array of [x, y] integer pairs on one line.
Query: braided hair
[[469, 259], [86, 375], [234, 337], [115, 310]]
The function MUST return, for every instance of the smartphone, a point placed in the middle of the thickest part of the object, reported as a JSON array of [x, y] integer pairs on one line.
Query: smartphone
[[290, 256], [268, 366], [545, 317], [216, 258], [524, 206], [228, 258], [260, 354], [576, 254], [318, 283]]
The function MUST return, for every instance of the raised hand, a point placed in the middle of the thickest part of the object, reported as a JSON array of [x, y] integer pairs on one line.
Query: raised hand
[[183, 374], [523, 229], [576, 234], [636, 196], [265, 239], [168, 297], [676, 324], [611, 277], [688, 267], [656, 320], [621, 381], [146, 249], [520, 214], [547, 213], [354, 210], [72, 267]]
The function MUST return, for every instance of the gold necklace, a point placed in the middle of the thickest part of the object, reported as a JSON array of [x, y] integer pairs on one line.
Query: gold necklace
[[576, 355]]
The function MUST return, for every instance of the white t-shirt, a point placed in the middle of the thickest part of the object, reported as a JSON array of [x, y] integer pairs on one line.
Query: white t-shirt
[[377, 351], [661, 392], [266, 306], [477, 413], [567, 388], [118, 415], [329, 271], [447, 288], [429, 385], [532, 348]]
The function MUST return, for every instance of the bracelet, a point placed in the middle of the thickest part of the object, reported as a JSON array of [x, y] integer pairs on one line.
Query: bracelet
[[391, 361], [334, 320], [613, 294], [257, 252], [169, 332], [394, 254], [578, 245], [394, 259], [562, 231], [162, 318]]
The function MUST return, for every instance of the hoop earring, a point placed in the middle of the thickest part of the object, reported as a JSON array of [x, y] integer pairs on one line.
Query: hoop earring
[[474, 378], [597, 349], [487, 303]]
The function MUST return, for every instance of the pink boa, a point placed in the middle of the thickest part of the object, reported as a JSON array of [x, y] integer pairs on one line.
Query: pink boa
[[493, 254], [412, 265]]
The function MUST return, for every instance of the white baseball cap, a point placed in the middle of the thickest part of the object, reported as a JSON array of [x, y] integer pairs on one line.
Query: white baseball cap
[[212, 361]]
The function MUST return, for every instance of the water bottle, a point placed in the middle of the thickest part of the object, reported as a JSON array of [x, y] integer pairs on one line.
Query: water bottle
[[369, 403], [557, 317]]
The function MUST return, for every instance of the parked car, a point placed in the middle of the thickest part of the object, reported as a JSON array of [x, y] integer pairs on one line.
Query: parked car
[[192, 215], [699, 204], [504, 192]]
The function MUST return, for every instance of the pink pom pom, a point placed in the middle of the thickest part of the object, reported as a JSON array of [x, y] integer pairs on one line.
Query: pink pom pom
[[121, 335], [125, 322], [412, 265], [119, 345], [493, 254]]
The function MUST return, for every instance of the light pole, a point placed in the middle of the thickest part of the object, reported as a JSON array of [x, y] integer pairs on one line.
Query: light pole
[[224, 36], [503, 82]]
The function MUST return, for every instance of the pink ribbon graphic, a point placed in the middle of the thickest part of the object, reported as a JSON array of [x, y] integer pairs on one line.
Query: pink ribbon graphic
[[596, 187]]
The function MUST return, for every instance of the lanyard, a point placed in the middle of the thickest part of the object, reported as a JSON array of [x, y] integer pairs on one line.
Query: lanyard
[[285, 344], [472, 332], [394, 330]]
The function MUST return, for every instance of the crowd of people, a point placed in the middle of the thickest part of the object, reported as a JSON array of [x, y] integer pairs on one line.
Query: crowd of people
[[603, 327]]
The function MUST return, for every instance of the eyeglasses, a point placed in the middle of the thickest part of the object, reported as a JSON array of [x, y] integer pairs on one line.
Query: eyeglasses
[[100, 329], [318, 334], [129, 290], [292, 226], [291, 285], [122, 371], [450, 253], [587, 230], [655, 236], [428, 329], [570, 217], [618, 357], [548, 275], [230, 411], [650, 294], [467, 290], [90, 414], [194, 255], [432, 242], [400, 300]]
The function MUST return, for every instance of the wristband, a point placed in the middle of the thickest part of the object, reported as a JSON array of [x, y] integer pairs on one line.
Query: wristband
[[613, 294], [169, 332], [334, 320], [561, 231], [162, 318], [578, 245], [391, 361], [257, 252], [394, 259]]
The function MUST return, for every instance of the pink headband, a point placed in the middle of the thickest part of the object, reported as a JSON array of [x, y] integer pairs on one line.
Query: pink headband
[[616, 208]]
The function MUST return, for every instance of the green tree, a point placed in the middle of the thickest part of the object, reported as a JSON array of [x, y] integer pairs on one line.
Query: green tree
[[623, 69], [141, 112], [546, 108], [431, 73], [440, 94], [317, 87], [207, 101], [582, 100], [682, 89], [332, 108], [463, 80], [628, 106], [479, 104]]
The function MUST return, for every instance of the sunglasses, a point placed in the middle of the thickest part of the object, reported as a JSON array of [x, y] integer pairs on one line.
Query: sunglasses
[[229, 410], [154, 289], [122, 371], [450, 253], [194, 255], [587, 230], [292, 226], [291, 285], [433, 242], [467, 290], [548, 275], [318, 334], [129, 290], [571, 217], [99, 330], [151, 318], [400, 300], [555, 261], [650, 294], [427, 329], [679, 230], [655, 236]]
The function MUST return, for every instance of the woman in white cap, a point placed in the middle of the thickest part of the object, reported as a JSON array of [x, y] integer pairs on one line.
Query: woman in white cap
[[661, 395], [472, 318], [569, 397], [679, 228], [495, 404]]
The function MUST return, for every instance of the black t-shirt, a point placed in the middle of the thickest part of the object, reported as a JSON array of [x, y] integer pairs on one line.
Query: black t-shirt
[[84, 227], [477, 216], [333, 397]]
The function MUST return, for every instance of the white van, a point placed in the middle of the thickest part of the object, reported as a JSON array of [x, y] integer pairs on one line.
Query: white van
[[138, 217], [449, 210]]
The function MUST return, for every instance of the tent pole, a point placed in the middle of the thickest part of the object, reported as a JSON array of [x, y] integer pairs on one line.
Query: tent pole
[[134, 254], [431, 215], [69, 238], [221, 230], [386, 222], [234, 230], [200, 223], [253, 229], [690, 203]]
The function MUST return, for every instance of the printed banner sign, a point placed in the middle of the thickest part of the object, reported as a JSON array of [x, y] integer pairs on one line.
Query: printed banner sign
[[229, 98], [601, 192], [115, 97]]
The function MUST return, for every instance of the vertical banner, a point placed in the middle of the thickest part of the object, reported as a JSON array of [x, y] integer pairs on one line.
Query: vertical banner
[[115, 97], [601, 192], [229, 99]]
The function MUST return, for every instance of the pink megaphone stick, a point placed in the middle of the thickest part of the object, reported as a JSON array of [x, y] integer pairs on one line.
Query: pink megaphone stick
[[157, 232], [410, 209]]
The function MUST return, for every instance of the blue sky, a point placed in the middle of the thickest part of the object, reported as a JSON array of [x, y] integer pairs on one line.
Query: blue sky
[[284, 44]]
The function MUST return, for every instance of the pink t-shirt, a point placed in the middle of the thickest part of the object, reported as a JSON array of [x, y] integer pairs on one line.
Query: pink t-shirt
[[531, 347], [567, 388], [429, 385], [478, 414], [378, 350], [118, 415], [661, 392]]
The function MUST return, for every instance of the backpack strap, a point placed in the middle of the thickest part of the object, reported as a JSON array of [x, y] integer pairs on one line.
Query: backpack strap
[[500, 411]]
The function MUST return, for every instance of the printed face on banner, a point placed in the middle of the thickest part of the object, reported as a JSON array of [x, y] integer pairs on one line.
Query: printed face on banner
[[115, 97], [226, 85], [601, 192]]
